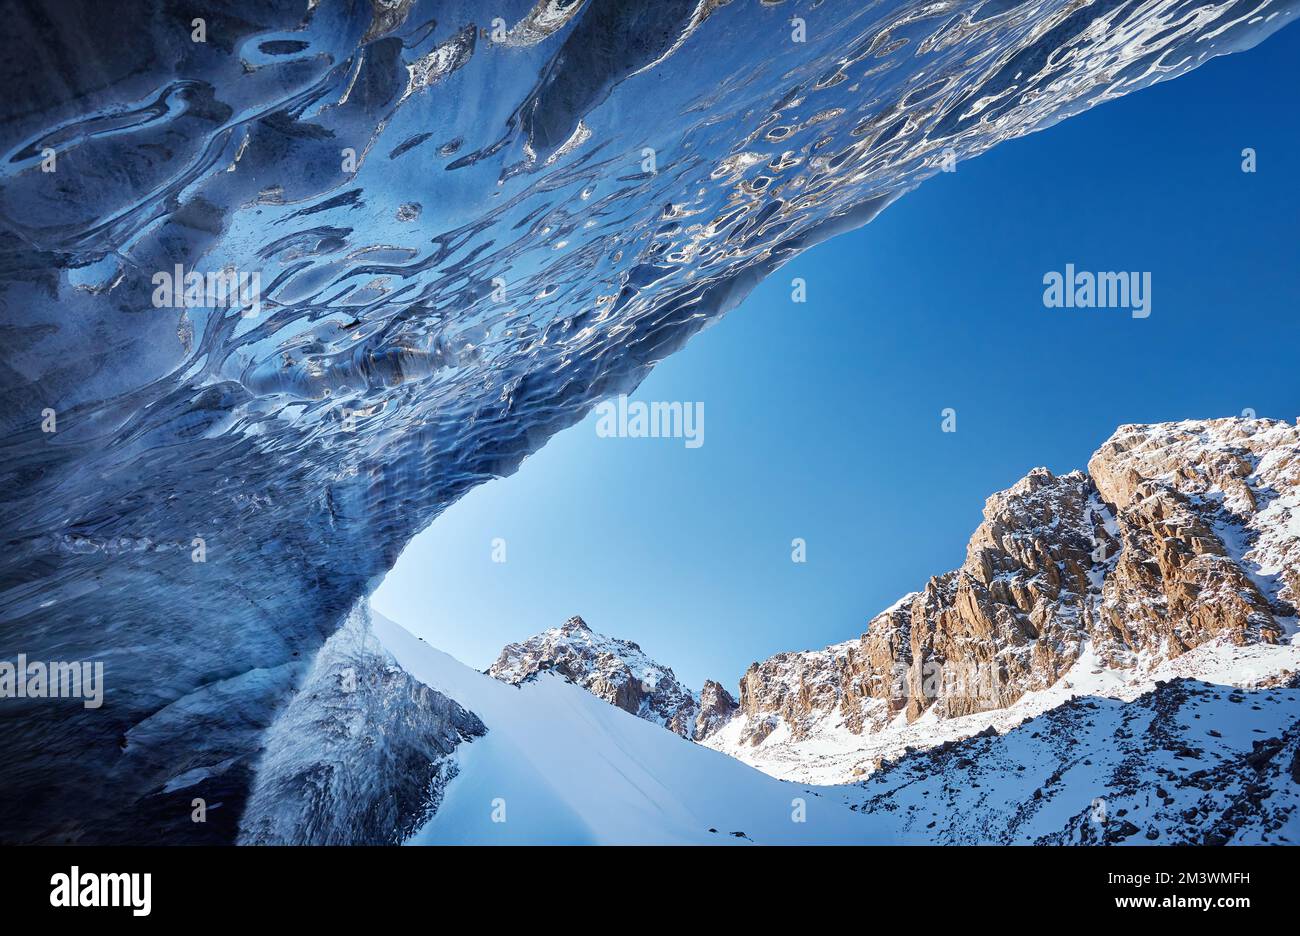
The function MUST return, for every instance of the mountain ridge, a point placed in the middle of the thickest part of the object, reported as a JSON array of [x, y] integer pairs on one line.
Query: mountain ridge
[[1180, 535], [615, 670]]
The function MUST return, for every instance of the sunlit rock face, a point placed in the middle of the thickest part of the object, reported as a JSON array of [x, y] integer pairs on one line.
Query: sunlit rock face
[[1181, 537], [466, 223]]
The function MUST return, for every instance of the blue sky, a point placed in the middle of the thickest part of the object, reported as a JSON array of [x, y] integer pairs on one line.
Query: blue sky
[[823, 419]]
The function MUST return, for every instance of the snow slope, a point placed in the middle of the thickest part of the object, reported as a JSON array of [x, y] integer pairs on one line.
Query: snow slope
[[569, 768], [1096, 759], [830, 753], [1188, 763]]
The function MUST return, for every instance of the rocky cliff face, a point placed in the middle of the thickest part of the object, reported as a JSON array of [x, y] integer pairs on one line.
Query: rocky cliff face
[[862, 680], [1180, 534], [617, 671], [1209, 517], [717, 706]]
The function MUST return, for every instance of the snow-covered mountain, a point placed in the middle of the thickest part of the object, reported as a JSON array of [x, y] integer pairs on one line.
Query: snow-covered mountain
[[559, 766], [393, 741], [617, 671], [1177, 554], [1176, 557], [545, 761], [1117, 663]]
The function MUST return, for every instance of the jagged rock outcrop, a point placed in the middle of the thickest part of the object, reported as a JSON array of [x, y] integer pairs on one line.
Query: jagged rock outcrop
[[1180, 534], [1012, 618], [617, 671], [862, 681], [717, 706], [1209, 513]]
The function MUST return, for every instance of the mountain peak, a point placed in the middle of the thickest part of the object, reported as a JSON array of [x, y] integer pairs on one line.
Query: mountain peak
[[575, 623], [615, 670]]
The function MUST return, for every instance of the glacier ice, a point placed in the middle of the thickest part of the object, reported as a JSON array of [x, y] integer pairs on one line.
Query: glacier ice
[[362, 754]]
